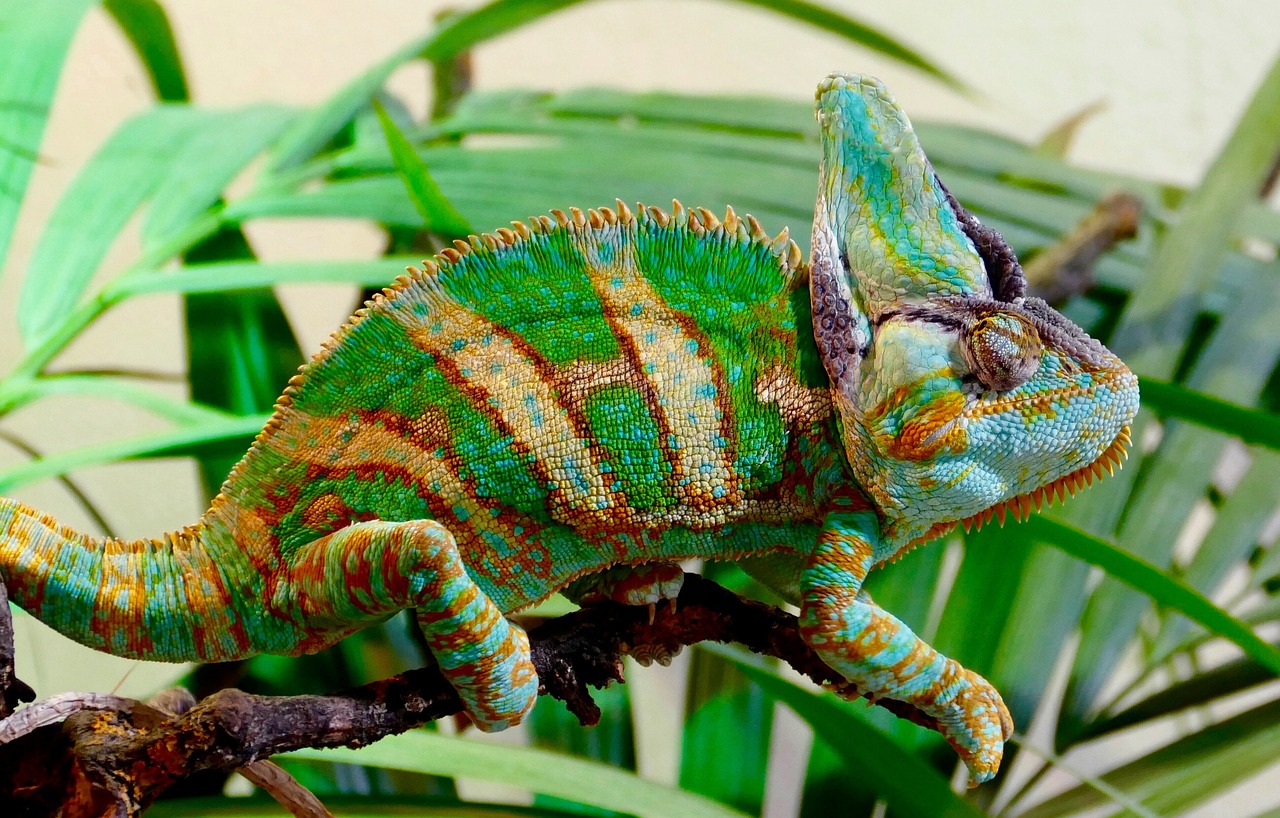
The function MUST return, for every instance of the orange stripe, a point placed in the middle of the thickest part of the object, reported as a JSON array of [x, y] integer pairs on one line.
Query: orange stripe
[[686, 388]]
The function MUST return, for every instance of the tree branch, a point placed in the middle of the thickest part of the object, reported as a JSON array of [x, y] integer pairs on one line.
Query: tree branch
[[117, 761]]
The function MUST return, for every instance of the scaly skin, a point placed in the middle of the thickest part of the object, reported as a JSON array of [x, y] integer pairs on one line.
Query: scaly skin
[[543, 407]]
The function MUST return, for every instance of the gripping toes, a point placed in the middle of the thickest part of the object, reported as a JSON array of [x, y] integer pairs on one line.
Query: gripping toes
[[974, 720], [369, 570]]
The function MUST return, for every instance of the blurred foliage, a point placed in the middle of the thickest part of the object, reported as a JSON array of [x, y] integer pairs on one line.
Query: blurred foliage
[[1190, 303]]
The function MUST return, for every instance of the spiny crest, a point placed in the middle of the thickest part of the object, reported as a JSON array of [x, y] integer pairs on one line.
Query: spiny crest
[[700, 221]]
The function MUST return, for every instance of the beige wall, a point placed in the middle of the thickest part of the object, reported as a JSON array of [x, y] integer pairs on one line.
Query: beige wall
[[1173, 76]]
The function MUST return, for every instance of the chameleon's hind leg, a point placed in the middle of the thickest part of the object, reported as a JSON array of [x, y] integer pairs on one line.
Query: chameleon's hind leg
[[878, 653], [368, 570]]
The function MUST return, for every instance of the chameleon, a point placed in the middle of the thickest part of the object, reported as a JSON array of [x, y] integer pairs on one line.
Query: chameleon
[[579, 402]]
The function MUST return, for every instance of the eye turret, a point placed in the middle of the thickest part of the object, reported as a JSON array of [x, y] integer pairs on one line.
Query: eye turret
[[1003, 350]]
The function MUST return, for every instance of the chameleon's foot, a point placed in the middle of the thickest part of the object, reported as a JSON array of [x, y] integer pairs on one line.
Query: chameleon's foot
[[371, 569], [976, 723], [500, 692], [645, 584]]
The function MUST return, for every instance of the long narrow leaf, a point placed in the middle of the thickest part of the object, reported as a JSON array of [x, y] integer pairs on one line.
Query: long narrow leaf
[[161, 444], [455, 35], [464, 31], [1250, 425], [92, 212], [857, 32], [34, 38], [1234, 364], [147, 27], [102, 386], [1187, 772], [205, 164], [573, 779], [240, 349], [229, 276], [1153, 582], [350, 806], [438, 213], [1163, 306]]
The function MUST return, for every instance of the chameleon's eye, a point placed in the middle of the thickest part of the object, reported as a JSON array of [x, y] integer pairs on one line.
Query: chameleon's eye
[[1003, 350]]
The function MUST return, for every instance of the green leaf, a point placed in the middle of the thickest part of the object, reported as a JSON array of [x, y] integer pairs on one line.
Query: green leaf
[[457, 34], [464, 31], [1156, 584], [1235, 363], [206, 163], [349, 806], [240, 350], [1116, 796], [612, 741], [1197, 690], [1185, 773], [856, 32], [984, 589], [1158, 316], [105, 386], [438, 214], [147, 27], [93, 211], [727, 727], [161, 444], [1250, 425], [572, 779], [230, 276], [910, 786], [34, 38]]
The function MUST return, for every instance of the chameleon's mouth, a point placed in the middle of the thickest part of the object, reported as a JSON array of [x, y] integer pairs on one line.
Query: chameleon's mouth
[[1022, 505]]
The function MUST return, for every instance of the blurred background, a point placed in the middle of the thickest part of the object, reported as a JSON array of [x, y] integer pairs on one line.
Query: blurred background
[[1073, 100]]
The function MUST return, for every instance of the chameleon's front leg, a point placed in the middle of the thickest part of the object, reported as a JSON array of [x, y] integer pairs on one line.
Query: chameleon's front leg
[[369, 570], [879, 654]]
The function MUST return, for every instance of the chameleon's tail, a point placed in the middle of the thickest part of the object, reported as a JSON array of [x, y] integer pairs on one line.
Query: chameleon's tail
[[156, 599]]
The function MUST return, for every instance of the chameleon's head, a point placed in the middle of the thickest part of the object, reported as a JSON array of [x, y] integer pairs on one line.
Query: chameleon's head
[[959, 397]]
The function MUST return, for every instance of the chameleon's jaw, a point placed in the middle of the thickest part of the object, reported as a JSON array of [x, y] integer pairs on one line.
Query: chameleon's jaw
[[1021, 506]]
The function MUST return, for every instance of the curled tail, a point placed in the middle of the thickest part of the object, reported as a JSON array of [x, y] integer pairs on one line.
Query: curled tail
[[164, 599]]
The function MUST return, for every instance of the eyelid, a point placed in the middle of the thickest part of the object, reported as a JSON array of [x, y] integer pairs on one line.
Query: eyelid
[[1002, 349]]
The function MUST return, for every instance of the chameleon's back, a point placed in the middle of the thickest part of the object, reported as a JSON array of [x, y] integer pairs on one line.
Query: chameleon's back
[[555, 395], [583, 391]]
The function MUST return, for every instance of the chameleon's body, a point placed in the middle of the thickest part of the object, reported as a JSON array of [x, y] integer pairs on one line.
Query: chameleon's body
[[631, 390]]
